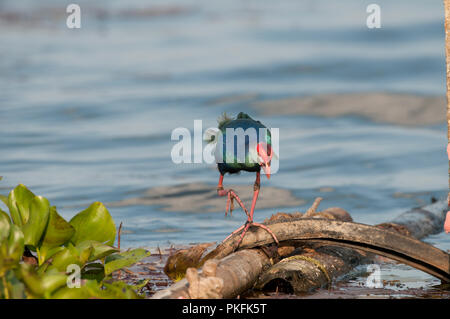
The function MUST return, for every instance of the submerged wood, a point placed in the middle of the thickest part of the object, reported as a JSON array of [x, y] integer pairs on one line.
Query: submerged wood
[[306, 271], [421, 221], [383, 242], [239, 271], [328, 233]]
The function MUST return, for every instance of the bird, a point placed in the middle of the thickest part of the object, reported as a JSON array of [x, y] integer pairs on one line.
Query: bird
[[242, 144]]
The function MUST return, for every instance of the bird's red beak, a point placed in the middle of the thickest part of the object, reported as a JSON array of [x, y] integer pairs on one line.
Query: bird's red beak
[[265, 153]]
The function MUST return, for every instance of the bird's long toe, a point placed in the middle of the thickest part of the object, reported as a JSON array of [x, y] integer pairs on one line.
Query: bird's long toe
[[267, 229], [230, 201]]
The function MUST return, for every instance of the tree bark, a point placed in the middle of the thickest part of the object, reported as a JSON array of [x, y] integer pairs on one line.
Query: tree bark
[[239, 271], [315, 267]]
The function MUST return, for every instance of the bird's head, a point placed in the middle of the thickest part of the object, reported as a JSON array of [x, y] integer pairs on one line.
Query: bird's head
[[264, 151]]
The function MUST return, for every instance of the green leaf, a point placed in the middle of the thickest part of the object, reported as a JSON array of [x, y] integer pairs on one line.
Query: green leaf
[[99, 250], [37, 222], [142, 283], [4, 199], [93, 271], [16, 243], [125, 259], [43, 285], [119, 290], [11, 287], [85, 254], [67, 256], [58, 232], [11, 250], [19, 200], [91, 289], [94, 223], [5, 225]]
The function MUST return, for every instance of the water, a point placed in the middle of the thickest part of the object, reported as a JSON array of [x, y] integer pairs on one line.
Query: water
[[86, 115]]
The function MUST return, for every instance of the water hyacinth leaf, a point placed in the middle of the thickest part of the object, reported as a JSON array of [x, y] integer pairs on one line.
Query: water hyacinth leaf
[[142, 283], [48, 262], [46, 255], [119, 290], [4, 199], [67, 256], [12, 287], [5, 225], [125, 259], [16, 243], [19, 200], [93, 271], [73, 293], [41, 285], [31, 280], [90, 289], [39, 212], [52, 280], [94, 223], [58, 232], [99, 250], [85, 254]]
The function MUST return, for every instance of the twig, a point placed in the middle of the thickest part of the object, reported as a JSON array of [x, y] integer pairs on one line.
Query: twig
[[312, 210], [119, 232], [160, 253]]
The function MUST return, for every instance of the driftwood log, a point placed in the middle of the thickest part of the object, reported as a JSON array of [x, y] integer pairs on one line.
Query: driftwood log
[[317, 265], [308, 270]]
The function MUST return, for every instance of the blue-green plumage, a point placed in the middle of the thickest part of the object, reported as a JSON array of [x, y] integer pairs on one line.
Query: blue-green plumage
[[247, 134], [252, 151]]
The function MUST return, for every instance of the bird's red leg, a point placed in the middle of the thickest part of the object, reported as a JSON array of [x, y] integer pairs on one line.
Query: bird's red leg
[[236, 231], [250, 222], [256, 188], [231, 195]]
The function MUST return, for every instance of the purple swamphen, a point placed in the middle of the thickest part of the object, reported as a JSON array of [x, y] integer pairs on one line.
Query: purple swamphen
[[242, 144]]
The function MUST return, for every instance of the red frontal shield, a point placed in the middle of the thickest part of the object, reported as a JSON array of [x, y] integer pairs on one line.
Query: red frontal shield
[[265, 152]]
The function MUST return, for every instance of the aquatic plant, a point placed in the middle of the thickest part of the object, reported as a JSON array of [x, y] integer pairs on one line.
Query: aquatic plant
[[44, 256]]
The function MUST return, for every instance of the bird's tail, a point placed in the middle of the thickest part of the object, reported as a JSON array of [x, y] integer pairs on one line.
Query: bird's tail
[[223, 120], [211, 134]]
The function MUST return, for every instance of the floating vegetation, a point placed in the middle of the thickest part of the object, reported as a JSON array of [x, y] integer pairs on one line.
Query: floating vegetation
[[44, 256]]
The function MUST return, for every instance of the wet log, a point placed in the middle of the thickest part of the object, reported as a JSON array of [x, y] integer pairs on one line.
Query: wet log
[[420, 222], [310, 268], [241, 269], [238, 272], [320, 265], [303, 272]]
